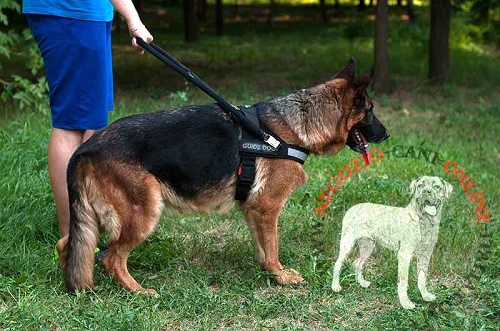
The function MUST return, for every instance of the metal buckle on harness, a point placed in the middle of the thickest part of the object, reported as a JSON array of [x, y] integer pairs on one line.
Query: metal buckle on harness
[[271, 140]]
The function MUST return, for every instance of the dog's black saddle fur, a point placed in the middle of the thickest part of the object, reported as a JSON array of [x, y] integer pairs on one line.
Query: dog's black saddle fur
[[192, 148]]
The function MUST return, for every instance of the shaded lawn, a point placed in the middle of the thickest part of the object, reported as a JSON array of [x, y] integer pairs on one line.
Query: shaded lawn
[[202, 265]]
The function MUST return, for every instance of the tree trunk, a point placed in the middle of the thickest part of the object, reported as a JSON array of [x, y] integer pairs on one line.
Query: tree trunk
[[236, 9], [191, 32], [336, 12], [361, 5], [272, 12], [411, 12], [382, 71], [202, 9], [439, 51], [219, 18], [322, 7]]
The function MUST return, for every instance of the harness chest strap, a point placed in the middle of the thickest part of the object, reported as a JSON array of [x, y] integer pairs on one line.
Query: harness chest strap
[[250, 148]]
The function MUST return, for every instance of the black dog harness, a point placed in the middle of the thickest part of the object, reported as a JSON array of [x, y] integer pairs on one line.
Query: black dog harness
[[251, 147], [256, 141]]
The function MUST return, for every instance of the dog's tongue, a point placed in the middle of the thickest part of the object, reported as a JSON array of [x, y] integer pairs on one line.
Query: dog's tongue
[[366, 155], [366, 149], [430, 210]]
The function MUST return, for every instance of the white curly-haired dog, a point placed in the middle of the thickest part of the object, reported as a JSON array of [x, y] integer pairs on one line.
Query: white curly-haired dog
[[412, 230]]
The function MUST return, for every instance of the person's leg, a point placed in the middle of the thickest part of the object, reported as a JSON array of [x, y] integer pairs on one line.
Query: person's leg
[[87, 134], [78, 67], [62, 144]]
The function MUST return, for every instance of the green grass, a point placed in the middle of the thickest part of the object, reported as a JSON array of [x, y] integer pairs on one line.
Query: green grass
[[202, 265]]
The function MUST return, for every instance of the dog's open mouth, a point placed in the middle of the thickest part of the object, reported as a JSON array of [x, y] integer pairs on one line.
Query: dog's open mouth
[[358, 142], [361, 145], [361, 134], [430, 208]]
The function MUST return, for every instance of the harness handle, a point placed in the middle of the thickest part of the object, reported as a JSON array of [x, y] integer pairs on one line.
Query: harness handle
[[232, 110]]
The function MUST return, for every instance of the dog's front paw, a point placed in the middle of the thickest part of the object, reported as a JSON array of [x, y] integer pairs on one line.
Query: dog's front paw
[[288, 277], [148, 291], [336, 287], [428, 297], [407, 304], [364, 283]]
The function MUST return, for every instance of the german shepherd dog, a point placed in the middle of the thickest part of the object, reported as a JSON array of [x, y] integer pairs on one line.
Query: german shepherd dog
[[186, 159]]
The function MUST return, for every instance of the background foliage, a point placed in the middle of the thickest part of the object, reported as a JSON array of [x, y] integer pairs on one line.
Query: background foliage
[[202, 265], [26, 90]]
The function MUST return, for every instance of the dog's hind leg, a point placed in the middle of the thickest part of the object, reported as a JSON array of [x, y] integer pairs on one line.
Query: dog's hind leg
[[137, 218], [115, 262], [76, 251], [366, 246], [346, 244]]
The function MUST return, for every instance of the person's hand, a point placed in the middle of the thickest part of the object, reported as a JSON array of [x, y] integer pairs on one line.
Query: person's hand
[[141, 32]]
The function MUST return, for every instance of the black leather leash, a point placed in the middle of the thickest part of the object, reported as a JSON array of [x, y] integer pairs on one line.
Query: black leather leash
[[252, 126], [254, 141]]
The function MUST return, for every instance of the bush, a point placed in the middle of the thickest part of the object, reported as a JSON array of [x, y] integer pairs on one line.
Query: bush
[[22, 91]]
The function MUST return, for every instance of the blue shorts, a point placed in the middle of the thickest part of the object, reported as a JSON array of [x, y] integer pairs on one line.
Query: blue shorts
[[78, 66]]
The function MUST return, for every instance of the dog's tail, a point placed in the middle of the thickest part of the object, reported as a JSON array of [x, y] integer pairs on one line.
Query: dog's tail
[[76, 252]]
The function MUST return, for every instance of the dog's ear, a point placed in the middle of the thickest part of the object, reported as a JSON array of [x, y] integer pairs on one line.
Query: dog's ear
[[362, 81], [413, 186], [448, 188], [347, 72]]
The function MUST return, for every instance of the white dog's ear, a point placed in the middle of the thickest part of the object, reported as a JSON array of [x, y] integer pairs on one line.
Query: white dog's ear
[[448, 188], [413, 186]]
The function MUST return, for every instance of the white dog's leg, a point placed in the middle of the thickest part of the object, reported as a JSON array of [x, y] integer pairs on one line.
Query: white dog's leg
[[404, 259], [346, 243], [365, 250], [423, 267]]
